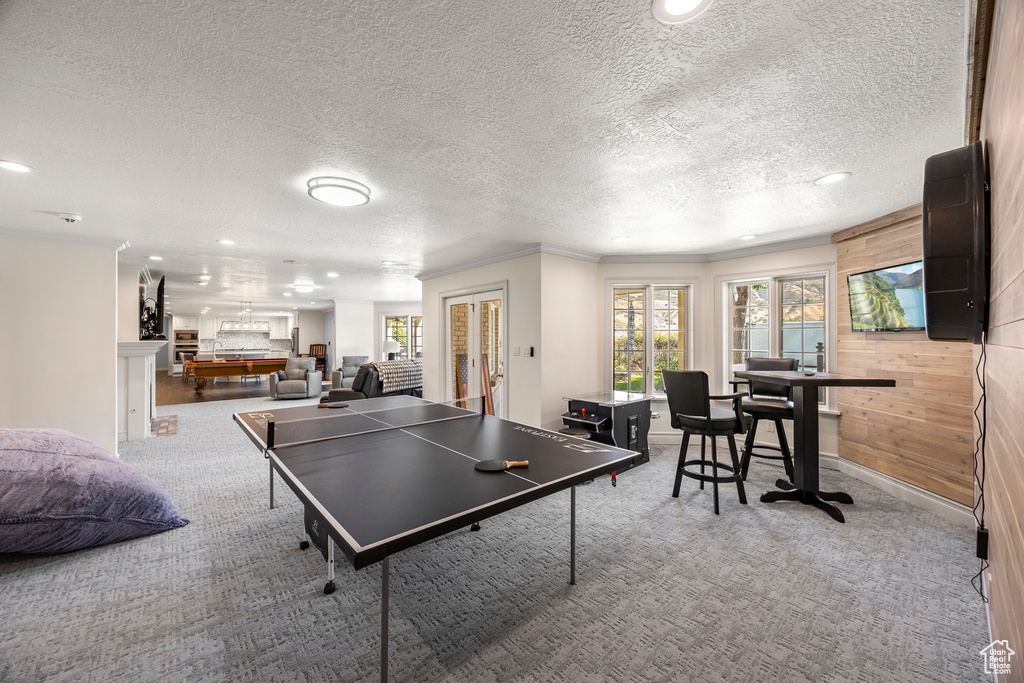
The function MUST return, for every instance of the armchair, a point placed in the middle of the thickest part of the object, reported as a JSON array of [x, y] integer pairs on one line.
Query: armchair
[[301, 379], [343, 377]]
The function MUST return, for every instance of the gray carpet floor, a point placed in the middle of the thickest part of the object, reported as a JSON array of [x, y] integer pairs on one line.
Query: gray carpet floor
[[666, 591]]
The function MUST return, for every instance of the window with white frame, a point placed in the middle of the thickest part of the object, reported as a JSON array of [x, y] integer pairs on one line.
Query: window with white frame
[[407, 330], [650, 332], [780, 317]]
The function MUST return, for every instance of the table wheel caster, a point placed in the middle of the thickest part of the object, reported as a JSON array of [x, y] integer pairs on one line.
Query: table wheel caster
[[475, 527], [329, 588], [303, 545]]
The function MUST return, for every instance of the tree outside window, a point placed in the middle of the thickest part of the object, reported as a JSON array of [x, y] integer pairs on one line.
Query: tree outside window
[[649, 334], [782, 317], [628, 335]]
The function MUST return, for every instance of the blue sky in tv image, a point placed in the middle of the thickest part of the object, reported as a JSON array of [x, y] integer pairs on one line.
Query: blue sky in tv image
[[888, 299]]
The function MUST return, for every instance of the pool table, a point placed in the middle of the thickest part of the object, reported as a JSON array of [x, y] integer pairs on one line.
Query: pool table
[[230, 368]]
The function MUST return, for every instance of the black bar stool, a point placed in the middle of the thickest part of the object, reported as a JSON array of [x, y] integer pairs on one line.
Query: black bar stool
[[689, 402], [768, 402]]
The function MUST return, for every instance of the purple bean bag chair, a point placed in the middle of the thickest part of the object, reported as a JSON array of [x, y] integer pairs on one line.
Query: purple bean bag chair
[[59, 492]]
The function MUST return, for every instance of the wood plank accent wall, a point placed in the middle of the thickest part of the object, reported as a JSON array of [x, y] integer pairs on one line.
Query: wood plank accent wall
[[921, 431], [1004, 481]]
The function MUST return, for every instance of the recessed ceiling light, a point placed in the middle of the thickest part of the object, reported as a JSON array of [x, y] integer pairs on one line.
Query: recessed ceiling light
[[832, 178], [201, 276], [621, 238], [332, 275], [303, 289], [338, 191], [388, 263], [156, 258], [15, 166], [226, 241], [748, 237], [677, 11], [202, 283], [312, 303], [287, 293]]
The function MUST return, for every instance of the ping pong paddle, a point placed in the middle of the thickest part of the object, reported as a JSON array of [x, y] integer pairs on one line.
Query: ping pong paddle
[[332, 405], [500, 465]]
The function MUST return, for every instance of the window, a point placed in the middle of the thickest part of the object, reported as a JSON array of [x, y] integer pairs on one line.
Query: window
[[803, 321], [780, 317], [650, 333], [407, 330]]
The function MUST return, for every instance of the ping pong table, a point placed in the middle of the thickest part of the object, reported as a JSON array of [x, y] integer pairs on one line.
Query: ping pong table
[[381, 475]]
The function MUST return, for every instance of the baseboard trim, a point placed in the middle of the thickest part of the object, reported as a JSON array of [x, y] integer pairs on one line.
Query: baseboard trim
[[915, 495], [957, 513]]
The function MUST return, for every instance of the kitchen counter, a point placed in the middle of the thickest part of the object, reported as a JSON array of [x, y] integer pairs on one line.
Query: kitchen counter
[[239, 354]]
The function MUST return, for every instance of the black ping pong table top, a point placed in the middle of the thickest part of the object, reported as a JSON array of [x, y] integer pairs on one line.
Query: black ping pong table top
[[404, 471]]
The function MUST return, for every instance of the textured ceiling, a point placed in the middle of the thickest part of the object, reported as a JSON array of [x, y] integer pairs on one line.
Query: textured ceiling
[[481, 127]]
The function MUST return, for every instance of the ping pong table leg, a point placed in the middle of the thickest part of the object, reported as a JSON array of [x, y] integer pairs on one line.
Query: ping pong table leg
[[330, 587], [271, 484], [572, 537], [384, 620]]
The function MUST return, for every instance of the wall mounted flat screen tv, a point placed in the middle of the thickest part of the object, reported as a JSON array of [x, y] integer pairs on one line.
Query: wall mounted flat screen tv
[[888, 299]]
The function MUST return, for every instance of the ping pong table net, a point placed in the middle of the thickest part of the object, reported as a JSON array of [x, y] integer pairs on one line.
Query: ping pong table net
[[341, 424]]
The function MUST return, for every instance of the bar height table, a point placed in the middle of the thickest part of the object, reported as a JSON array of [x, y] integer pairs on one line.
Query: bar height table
[[804, 487]]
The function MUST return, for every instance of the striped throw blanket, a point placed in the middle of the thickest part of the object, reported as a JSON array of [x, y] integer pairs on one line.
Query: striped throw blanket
[[398, 375]]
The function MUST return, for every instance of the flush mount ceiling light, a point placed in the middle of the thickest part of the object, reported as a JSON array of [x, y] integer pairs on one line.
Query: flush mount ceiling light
[[332, 275], [303, 289], [338, 191], [156, 258], [677, 11], [832, 178], [226, 241], [15, 166], [748, 237]]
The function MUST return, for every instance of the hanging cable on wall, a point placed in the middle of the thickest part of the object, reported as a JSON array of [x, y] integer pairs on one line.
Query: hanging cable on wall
[[978, 581]]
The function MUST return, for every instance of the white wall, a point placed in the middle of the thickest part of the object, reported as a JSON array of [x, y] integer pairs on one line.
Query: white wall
[[571, 295], [353, 329], [128, 304], [328, 337], [522, 277], [58, 307], [311, 329]]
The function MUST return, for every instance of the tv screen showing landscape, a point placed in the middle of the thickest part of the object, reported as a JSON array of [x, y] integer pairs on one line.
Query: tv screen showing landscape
[[888, 300]]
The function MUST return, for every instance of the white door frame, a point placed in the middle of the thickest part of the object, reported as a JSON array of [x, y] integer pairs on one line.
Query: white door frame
[[475, 295]]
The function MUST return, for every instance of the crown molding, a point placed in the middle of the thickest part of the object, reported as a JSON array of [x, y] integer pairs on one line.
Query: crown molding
[[758, 250], [79, 240], [803, 243], [528, 250]]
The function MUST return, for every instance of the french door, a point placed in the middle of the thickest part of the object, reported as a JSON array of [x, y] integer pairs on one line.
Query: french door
[[474, 339]]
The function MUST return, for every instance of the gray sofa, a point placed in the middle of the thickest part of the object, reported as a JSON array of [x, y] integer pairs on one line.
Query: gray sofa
[[343, 377], [300, 380], [368, 384]]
